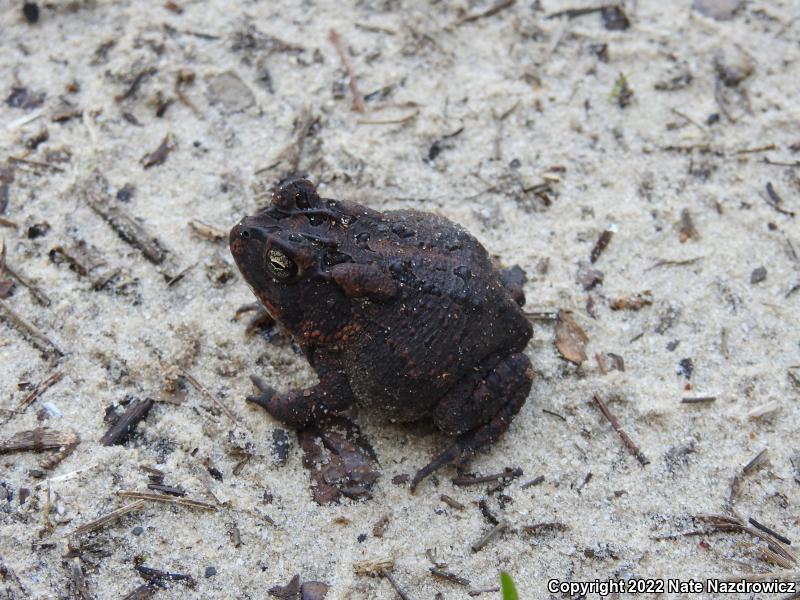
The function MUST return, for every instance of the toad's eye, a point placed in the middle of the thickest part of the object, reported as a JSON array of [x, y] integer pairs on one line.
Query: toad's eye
[[279, 265], [301, 200]]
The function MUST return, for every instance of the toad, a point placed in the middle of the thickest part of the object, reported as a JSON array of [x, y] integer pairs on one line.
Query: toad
[[400, 311]]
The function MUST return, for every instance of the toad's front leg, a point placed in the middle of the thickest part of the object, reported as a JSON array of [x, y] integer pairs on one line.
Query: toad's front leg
[[298, 408]]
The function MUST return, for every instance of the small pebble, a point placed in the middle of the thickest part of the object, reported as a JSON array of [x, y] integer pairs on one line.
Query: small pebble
[[31, 12], [211, 571], [137, 530], [758, 275]]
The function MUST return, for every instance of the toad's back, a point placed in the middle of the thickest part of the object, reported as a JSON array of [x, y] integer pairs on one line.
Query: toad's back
[[451, 313]]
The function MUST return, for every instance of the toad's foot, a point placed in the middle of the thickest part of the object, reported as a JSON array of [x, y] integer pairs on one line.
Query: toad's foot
[[506, 384]]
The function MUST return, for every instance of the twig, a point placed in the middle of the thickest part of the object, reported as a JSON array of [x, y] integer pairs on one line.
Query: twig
[[396, 121], [143, 592], [168, 500], [204, 390], [207, 231], [754, 462], [35, 163], [754, 150], [571, 13], [698, 400], [774, 200], [629, 443], [395, 585], [602, 243], [452, 577], [358, 99], [29, 328], [38, 295], [490, 535], [40, 388], [125, 424], [184, 76], [96, 196], [451, 502], [506, 474], [108, 518], [493, 10], [772, 532], [532, 482], [157, 576], [79, 587], [675, 263]]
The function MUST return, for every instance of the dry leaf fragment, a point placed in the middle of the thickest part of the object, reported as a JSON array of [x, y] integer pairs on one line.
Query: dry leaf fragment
[[633, 301], [570, 338]]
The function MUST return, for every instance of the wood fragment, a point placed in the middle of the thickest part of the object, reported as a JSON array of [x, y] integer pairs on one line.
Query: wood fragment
[[79, 588], [772, 532], [36, 440], [755, 462], [491, 11], [134, 85], [508, 473], [626, 439], [143, 592], [180, 275], [449, 576], [489, 536], [554, 414], [602, 243], [39, 389], [544, 527], [127, 422], [183, 78], [632, 301], [189, 503], [491, 590], [373, 568], [571, 13], [698, 400], [755, 150], [388, 575], [53, 461], [724, 523], [107, 518], [207, 231], [774, 200], [160, 154], [96, 195], [38, 295], [158, 576], [533, 482], [687, 230], [172, 490], [35, 163], [451, 502], [205, 392], [397, 121], [358, 99], [675, 263]]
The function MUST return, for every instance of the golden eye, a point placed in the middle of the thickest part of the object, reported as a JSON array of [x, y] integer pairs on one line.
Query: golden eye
[[279, 265]]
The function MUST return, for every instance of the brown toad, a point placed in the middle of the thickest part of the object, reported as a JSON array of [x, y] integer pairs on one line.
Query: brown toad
[[401, 311]]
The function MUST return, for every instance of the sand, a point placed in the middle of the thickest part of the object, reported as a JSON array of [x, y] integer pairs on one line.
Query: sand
[[512, 124]]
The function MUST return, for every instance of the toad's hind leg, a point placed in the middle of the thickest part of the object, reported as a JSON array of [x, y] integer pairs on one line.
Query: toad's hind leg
[[484, 410]]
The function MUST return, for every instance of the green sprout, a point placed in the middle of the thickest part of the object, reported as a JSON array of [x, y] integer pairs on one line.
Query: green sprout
[[509, 591]]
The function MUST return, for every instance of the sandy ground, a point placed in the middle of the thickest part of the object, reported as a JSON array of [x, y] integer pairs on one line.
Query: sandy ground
[[511, 124]]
